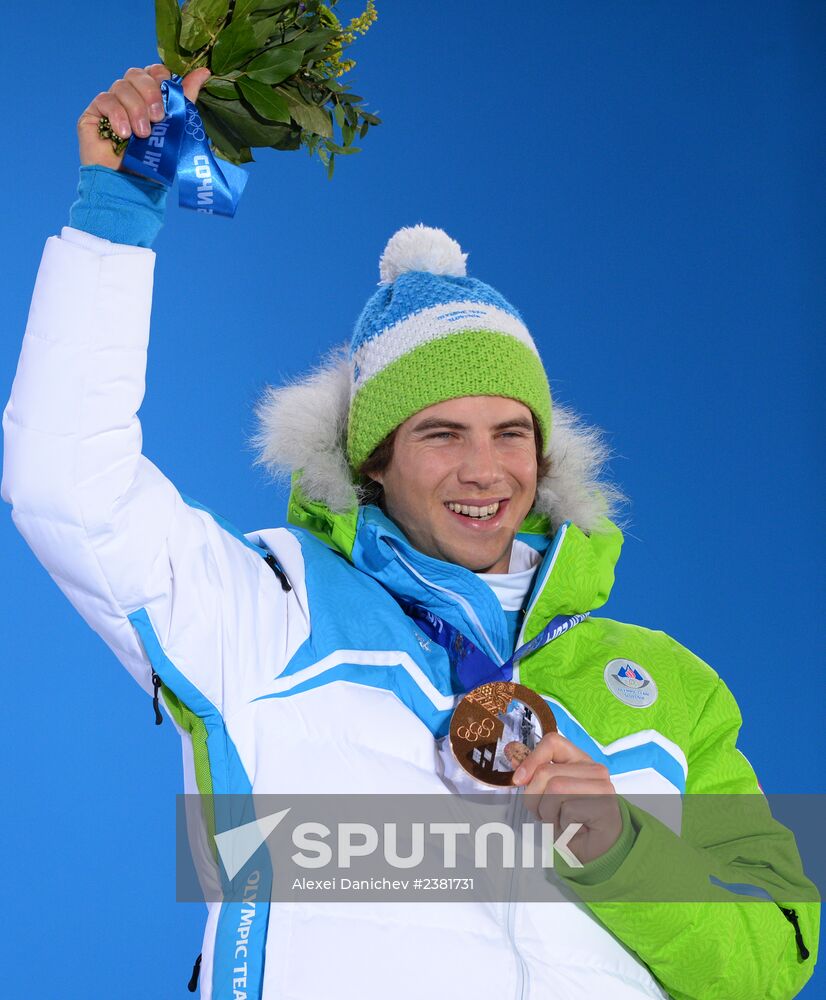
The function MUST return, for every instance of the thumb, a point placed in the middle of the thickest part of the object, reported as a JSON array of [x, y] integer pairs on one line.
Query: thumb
[[193, 82]]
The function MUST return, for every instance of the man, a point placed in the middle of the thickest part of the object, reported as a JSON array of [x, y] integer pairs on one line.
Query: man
[[481, 504]]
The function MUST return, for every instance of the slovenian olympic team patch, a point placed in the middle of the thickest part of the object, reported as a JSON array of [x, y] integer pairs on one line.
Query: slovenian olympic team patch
[[631, 683]]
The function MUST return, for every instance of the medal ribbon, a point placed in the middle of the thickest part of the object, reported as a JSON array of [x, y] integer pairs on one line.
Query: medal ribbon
[[178, 147], [470, 665]]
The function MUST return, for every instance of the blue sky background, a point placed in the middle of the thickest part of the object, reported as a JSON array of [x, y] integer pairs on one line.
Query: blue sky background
[[643, 180]]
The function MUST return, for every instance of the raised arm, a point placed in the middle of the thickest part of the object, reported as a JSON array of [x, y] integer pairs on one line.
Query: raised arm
[[138, 561]]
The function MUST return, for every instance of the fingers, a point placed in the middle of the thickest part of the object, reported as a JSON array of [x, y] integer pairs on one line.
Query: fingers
[[132, 104], [149, 90], [594, 813], [147, 83], [553, 747], [586, 778], [158, 72], [594, 822], [573, 785], [193, 82], [564, 786], [106, 104]]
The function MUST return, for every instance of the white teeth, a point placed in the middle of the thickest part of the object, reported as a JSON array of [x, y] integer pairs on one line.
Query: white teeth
[[470, 510]]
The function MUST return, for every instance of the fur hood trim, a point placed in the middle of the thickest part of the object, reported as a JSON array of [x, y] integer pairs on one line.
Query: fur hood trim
[[302, 427]]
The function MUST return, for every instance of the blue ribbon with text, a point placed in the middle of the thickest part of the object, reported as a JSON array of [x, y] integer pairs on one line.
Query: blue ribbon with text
[[469, 665], [178, 147]]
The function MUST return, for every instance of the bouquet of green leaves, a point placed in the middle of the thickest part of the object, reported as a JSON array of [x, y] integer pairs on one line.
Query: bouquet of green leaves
[[276, 73]]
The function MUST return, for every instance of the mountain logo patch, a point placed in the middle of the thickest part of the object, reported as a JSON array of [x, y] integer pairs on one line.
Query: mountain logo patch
[[630, 683]]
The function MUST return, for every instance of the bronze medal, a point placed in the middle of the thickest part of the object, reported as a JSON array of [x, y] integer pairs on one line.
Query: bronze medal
[[495, 727]]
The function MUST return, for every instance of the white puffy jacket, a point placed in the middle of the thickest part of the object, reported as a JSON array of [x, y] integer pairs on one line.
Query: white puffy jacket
[[331, 664]]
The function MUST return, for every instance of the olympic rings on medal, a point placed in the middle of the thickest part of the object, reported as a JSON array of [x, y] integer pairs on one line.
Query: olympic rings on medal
[[475, 730]]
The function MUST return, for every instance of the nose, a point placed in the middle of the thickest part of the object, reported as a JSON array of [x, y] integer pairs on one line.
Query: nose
[[480, 464]]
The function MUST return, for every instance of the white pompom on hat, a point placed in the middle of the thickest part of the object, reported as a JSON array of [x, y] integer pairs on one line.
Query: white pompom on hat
[[421, 248]]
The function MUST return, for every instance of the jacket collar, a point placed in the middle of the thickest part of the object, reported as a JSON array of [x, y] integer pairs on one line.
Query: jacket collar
[[575, 575], [452, 592]]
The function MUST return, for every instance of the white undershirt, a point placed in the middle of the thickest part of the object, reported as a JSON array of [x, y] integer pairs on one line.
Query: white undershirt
[[512, 588]]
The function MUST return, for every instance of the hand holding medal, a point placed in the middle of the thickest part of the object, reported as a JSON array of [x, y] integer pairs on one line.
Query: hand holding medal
[[564, 785], [504, 734]]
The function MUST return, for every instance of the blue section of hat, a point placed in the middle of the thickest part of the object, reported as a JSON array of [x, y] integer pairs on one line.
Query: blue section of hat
[[414, 291]]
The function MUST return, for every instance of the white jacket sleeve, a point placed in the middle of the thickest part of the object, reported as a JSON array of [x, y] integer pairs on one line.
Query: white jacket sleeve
[[112, 531]]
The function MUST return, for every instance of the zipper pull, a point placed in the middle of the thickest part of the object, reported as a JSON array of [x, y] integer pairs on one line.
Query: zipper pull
[[192, 985], [272, 562], [156, 683], [791, 916]]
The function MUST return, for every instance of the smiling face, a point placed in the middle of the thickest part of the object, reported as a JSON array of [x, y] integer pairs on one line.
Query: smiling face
[[462, 479]]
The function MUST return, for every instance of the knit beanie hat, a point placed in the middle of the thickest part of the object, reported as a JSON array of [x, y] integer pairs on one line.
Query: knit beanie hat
[[431, 333]]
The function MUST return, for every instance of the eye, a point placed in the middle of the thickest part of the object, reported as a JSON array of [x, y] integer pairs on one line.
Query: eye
[[439, 435]]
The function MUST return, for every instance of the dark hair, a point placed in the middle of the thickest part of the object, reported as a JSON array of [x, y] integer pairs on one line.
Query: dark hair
[[379, 459]]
